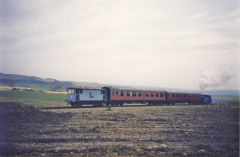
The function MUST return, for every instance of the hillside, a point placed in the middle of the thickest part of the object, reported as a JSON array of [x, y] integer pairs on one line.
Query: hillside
[[37, 82]]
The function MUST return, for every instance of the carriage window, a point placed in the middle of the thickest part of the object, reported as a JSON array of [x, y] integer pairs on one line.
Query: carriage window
[[70, 91], [113, 93], [128, 93], [173, 95], [147, 95], [122, 93], [116, 93], [134, 93], [161, 94], [157, 95], [102, 91], [77, 91], [139, 94], [152, 94]]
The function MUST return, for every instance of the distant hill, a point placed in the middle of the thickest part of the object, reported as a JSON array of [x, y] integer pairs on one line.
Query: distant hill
[[33, 81], [52, 84], [222, 92]]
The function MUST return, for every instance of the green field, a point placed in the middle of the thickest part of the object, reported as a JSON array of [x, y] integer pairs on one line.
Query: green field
[[36, 98], [225, 99]]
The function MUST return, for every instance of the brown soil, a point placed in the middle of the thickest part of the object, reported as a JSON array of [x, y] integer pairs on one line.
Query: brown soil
[[136, 131]]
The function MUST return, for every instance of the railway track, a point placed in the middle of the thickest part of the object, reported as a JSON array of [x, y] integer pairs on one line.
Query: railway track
[[70, 107]]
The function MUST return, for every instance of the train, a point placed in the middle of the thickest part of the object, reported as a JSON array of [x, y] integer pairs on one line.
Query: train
[[115, 96]]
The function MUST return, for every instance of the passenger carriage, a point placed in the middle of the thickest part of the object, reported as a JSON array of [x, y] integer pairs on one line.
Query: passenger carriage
[[119, 96]]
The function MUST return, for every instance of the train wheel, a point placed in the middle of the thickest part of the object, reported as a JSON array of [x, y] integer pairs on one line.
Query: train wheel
[[79, 105], [74, 105]]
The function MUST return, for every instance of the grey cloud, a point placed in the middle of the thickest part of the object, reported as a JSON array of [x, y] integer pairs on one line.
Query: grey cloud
[[156, 36]]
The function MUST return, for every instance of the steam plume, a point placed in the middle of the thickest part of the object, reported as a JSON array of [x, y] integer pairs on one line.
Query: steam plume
[[215, 77]]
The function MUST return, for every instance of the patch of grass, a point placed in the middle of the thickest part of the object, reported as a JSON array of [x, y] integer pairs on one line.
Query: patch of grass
[[225, 99], [230, 98], [36, 98]]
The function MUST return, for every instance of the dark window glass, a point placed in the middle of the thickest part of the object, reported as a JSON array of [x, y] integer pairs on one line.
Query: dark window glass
[[152, 94], [134, 93], [116, 93], [122, 93], [157, 95], [139, 94], [161, 94], [128, 93], [113, 93], [77, 91], [173, 95], [147, 94]]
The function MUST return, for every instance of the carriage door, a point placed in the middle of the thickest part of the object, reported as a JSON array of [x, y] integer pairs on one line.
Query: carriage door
[[104, 95], [77, 95]]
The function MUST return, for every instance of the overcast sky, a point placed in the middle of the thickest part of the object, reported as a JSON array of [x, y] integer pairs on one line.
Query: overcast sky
[[177, 43]]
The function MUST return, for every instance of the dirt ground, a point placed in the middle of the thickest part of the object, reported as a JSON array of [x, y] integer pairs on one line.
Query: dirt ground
[[123, 131]]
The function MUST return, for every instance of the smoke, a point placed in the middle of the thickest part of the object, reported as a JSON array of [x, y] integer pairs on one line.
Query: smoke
[[216, 77]]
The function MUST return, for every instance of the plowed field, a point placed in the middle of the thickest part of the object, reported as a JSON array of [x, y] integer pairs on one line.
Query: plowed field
[[124, 131]]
